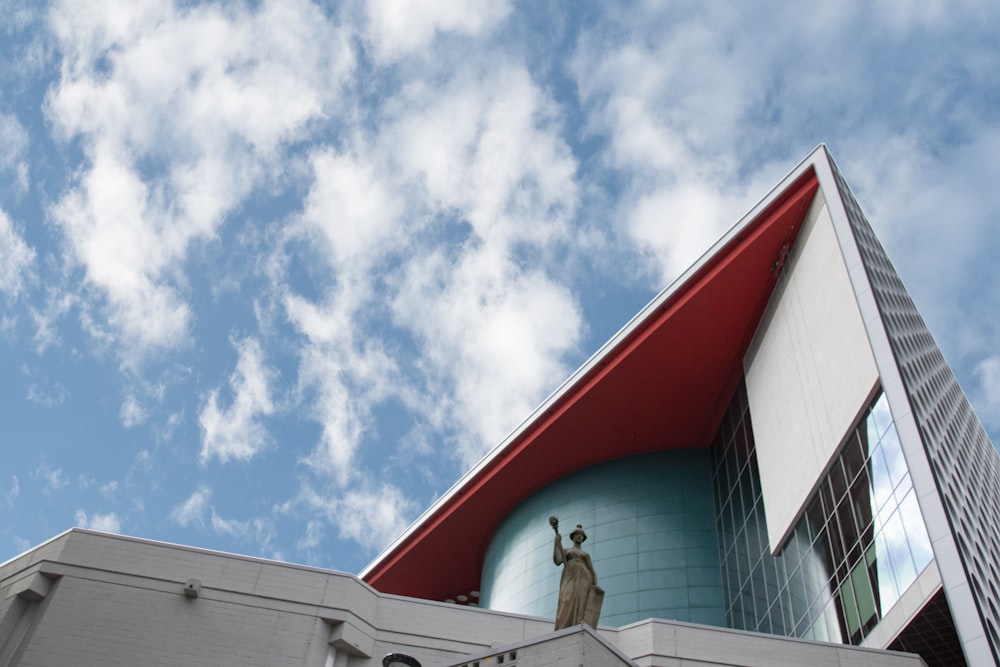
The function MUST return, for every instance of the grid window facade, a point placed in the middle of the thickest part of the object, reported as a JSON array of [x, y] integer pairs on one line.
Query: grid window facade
[[965, 465], [858, 546]]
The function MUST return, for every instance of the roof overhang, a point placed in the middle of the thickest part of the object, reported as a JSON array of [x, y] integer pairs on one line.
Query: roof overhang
[[663, 382]]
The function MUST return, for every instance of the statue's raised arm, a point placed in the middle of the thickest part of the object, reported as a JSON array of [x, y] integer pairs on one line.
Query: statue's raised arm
[[558, 556]]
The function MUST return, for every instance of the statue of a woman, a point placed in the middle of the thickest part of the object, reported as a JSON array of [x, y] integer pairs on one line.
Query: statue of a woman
[[580, 597]]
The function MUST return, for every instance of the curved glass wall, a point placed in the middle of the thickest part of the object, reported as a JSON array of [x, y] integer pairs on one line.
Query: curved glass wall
[[650, 521]]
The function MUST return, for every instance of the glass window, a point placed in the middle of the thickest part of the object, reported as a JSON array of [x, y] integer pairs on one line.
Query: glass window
[[893, 452], [859, 544], [887, 591], [916, 532], [814, 519], [879, 419], [881, 482], [899, 550], [849, 607], [861, 501], [838, 482], [854, 456], [863, 595]]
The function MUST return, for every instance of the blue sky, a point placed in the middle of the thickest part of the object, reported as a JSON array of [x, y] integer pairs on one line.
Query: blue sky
[[273, 275]]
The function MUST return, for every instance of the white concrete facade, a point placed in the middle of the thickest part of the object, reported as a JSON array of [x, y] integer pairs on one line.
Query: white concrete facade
[[809, 372], [88, 599]]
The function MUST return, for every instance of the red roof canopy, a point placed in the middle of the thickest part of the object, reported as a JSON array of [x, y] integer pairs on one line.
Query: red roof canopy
[[662, 383]]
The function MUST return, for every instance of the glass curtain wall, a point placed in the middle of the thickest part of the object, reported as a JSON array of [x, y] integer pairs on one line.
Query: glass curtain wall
[[858, 546]]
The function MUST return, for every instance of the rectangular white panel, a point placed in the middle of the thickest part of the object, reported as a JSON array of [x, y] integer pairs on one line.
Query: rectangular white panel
[[809, 372]]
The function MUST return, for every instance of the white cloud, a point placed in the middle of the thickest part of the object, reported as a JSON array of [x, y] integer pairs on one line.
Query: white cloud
[[192, 510], [370, 514], [484, 153], [699, 152], [144, 460], [351, 210], [46, 319], [108, 490], [678, 143], [434, 224], [259, 531], [494, 336], [400, 28], [313, 536], [373, 517], [229, 526], [16, 258], [16, 16], [52, 480], [48, 395], [348, 378], [12, 492], [904, 17], [118, 237], [164, 432], [988, 403], [678, 224], [196, 511], [934, 214], [13, 147], [487, 153], [107, 523], [182, 111], [345, 372], [487, 149], [234, 527], [237, 432], [7, 324], [132, 412]]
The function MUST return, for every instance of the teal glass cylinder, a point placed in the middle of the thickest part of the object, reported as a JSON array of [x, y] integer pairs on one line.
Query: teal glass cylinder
[[650, 522]]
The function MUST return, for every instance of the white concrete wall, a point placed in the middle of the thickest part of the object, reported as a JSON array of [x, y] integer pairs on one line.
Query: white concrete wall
[[656, 643], [120, 601], [809, 372]]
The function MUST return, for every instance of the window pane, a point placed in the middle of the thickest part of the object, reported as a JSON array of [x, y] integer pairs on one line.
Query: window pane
[[881, 482], [893, 456], [879, 419], [887, 590], [899, 550], [916, 532]]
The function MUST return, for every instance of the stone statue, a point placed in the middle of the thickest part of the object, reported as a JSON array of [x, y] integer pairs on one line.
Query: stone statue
[[580, 598]]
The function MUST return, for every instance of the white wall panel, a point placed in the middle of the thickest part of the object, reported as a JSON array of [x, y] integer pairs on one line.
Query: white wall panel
[[809, 372]]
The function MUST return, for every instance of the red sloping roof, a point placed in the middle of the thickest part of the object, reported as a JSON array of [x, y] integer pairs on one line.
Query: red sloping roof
[[664, 385]]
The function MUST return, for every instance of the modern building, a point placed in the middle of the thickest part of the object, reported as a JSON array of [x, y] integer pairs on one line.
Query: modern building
[[773, 463], [774, 444]]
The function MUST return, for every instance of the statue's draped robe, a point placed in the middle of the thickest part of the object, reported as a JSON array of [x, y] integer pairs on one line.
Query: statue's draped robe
[[574, 588]]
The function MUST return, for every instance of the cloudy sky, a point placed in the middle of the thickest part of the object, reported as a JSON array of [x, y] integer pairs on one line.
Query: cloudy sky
[[273, 275]]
